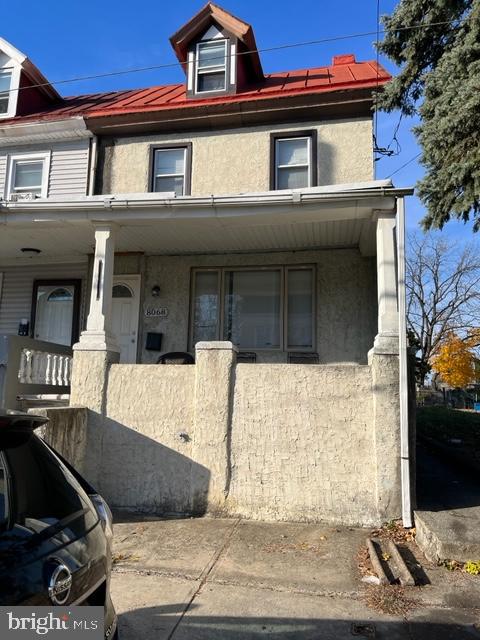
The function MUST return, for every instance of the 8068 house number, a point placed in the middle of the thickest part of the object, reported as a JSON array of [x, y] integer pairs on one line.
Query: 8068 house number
[[160, 312]]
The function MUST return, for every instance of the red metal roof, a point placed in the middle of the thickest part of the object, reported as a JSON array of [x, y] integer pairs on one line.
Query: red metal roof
[[345, 74]]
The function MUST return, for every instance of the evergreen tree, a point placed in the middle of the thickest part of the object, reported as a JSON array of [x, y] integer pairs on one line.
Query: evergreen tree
[[440, 80]]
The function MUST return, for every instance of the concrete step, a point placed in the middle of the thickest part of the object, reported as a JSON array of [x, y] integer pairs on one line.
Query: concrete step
[[450, 534]]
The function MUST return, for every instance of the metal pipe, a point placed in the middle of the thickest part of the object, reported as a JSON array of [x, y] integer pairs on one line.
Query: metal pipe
[[403, 379]]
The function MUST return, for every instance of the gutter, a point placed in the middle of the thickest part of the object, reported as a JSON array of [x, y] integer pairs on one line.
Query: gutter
[[155, 201], [403, 373]]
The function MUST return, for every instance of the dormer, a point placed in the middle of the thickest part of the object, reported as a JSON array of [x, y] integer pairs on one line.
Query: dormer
[[218, 53], [20, 94]]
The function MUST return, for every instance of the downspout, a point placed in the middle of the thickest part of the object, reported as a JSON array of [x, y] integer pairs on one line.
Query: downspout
[[403, 382], [93, 165]]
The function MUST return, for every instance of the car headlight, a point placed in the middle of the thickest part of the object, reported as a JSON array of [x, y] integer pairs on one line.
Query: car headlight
[[104, 514]]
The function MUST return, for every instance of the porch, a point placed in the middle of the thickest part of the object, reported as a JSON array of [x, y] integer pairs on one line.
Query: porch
[[283, 275]]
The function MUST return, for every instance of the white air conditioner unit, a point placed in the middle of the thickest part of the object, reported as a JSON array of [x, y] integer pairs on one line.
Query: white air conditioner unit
[[21, 197]]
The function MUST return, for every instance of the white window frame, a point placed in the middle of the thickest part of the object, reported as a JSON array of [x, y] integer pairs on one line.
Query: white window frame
[[15, 71], [308, 165], [284, 269], [27, 157], [169, 175], [216, 69]]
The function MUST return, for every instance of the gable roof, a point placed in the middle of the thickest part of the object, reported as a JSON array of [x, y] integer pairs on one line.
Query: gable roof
[[345, 74], [212, 13], [31, 71]]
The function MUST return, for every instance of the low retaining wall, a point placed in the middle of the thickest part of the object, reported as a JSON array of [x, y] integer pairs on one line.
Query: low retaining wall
[[267, 441]]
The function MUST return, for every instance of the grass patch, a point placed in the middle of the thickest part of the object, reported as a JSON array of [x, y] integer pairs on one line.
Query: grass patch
[[443, 424]]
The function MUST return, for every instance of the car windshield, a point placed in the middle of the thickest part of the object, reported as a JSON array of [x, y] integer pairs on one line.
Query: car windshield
[[44, 494]]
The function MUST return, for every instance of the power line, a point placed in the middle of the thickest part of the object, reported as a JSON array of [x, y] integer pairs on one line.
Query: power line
[[239, 53], [405, 164]]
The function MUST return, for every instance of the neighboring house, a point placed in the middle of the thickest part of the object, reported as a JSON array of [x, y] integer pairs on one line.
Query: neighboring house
[[236, 211]]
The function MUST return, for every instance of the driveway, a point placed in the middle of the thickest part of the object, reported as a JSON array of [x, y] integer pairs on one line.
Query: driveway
[[221, 579]]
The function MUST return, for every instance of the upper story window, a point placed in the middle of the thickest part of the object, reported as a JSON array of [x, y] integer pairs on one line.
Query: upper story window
[[171, 169], [211, 66], [5, 85], [28, 176], [294, 161]]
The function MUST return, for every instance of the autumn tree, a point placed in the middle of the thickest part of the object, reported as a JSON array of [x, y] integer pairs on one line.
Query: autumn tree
[[443, 295], [439, 79], [454, 361]]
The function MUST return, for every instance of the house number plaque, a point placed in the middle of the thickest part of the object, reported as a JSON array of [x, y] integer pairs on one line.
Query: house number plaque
[[160, 312]]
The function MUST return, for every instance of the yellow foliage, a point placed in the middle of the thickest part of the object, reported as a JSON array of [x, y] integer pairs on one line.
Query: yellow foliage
[[454, 361]]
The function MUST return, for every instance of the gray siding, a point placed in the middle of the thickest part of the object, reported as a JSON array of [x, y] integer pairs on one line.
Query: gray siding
[[17, 289], [68, 166]]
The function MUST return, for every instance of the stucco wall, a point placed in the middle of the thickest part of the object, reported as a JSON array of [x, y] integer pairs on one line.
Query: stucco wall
[[264, 441], [238, 160], [346, 302], [147, 463], [303, 443]]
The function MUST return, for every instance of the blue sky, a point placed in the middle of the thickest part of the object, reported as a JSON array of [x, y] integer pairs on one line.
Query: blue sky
[[70, 39]]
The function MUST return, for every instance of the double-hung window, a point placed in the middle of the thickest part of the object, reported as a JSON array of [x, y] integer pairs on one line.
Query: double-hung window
[[211, 66], [293, 160], [5, 86], [270, 308], [28, 175], [171, 169]]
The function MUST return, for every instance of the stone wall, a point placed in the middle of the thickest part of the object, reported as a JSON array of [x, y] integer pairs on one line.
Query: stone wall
[[265, 441]]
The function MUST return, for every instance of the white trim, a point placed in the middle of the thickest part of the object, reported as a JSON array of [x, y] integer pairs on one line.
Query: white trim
[[12, 161], [32, 132], [191, 70], [134, 283], [15, 71], [233, 63], [403, 366]]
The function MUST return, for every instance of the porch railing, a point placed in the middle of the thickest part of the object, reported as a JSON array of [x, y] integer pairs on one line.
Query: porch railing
[[32, 367]]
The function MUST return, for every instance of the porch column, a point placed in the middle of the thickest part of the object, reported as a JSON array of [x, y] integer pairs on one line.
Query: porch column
[[386, 341], [98, 336], [97, 347], [383, 360]]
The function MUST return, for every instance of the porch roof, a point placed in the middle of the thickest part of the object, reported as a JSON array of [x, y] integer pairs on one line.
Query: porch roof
[[319, 217]]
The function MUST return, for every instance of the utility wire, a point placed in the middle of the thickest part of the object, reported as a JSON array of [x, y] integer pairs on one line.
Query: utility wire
[[405, 164], [239, 53]]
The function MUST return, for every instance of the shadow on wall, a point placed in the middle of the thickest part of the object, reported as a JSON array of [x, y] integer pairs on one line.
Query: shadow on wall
[[141, 474], [145, 623], [326, 165]]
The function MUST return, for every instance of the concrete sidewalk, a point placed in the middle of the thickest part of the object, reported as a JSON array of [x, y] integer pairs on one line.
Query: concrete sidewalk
[[212, 579]]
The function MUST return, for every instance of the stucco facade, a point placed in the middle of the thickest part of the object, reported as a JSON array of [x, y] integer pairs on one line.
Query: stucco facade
[[263, 441], [238, 160], [345, 287]]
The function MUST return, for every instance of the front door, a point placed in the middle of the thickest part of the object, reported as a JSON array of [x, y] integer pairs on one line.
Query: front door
[[125, 307], [56, 311]]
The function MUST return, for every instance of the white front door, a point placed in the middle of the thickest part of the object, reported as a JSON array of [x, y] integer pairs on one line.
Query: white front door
[[54, 313], [125, 308]]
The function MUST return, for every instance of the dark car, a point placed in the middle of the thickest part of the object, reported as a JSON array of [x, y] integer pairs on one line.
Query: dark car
[[55, 530]]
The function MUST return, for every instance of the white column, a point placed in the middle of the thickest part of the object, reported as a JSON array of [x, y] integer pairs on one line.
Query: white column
[[98, 335], [386, 341]]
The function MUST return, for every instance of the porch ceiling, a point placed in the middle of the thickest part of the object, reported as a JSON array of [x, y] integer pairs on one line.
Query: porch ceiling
[[149, 224]]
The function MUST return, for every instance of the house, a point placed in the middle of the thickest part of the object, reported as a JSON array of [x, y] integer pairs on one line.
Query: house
[[234, 216]]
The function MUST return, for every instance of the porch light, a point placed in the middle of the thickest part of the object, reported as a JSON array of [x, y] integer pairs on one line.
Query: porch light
[[155, 291]]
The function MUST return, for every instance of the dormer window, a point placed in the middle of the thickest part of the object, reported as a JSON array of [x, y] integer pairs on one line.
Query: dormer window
[[5, 85], [211, 66]]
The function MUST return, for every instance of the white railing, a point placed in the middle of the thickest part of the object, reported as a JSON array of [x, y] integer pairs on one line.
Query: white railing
[[32, 367], [40, 367]]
